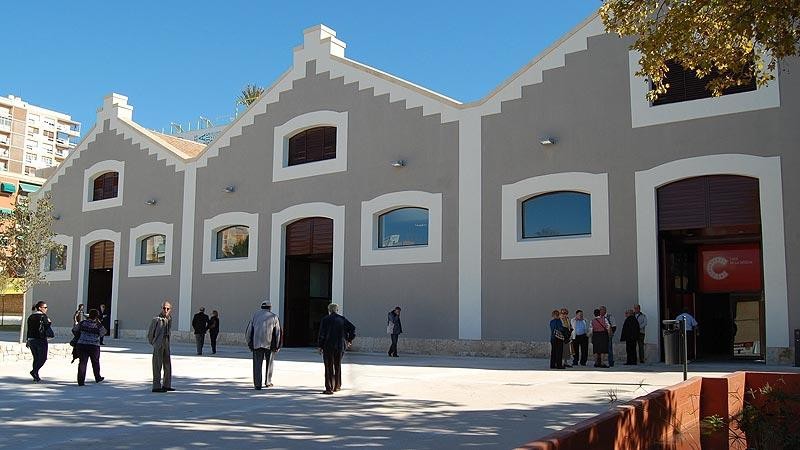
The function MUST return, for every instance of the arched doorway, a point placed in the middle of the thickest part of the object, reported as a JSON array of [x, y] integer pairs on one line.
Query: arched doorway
[[710, 262], [101, 275], [308, 279]]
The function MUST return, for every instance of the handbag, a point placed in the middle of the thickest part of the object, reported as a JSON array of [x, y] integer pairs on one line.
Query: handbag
[[558, 334], [390, 328]]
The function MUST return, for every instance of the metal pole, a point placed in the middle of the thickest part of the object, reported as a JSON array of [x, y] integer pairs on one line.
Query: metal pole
[[684, 348]]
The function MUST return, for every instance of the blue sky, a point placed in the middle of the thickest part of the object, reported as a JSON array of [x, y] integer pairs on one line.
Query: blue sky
[[177, 60]]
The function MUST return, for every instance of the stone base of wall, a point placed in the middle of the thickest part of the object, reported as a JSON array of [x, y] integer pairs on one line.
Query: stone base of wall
[[444, 347], [13, 351]]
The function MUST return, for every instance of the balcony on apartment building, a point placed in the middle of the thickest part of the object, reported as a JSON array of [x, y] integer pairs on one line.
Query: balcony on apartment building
[[69, 129], [63, 140], [5, 123]]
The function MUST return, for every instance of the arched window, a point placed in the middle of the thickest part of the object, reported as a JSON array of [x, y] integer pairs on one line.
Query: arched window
[[233, 242], [403, 227], [153, 249], [57, 258], [562, 213], [315, 144], [105, 186]]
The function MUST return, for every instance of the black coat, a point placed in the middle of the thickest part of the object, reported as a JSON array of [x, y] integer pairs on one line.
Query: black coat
[[394, 319], [335, 332], [630, 329], [200, 323]]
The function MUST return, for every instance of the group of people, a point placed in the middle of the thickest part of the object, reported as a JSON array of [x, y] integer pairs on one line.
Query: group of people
[[201, 324], [264, 338], [569, 337]]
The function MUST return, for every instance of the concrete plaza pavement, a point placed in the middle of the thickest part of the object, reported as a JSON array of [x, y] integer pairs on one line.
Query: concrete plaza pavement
[[415, 402]]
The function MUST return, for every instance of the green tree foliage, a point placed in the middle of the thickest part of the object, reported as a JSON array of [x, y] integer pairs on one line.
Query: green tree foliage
[[249, 95], [731, 41], [26, 238]]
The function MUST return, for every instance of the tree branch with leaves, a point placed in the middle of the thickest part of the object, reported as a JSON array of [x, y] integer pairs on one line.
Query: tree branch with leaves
[[731, 41]]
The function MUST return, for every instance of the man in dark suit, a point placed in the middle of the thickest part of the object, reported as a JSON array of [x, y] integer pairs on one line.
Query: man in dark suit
[[200, 325], [336, 333]]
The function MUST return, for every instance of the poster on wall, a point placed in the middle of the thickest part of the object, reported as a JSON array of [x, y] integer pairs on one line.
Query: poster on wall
[[730, 268]]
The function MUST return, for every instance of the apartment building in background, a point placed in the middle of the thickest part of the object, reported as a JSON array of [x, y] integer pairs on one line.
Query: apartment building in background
[[31, 138]]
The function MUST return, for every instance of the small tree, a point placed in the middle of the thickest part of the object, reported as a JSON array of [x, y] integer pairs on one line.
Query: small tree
[[26, 238], [249, 95], [725, 40]]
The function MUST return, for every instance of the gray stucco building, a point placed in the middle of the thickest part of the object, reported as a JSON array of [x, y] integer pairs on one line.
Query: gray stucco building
[[562, 187]]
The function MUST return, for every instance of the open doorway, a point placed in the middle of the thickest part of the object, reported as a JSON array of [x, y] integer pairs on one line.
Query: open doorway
[[101, 276], [308, 279], [710, 263]]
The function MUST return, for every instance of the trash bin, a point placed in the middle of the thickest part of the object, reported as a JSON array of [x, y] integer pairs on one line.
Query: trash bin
[[671, 333]]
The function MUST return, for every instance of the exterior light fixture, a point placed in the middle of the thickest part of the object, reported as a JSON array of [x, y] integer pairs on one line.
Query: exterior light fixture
[[399, 163], [56, 216], [547, 141], [150, 202], [229, 189]]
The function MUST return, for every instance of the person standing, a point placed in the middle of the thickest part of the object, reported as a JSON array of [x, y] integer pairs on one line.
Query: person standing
[[200, 326], [158, 335], [89, 331], [78, 315], [692, 330], [396, 329], [630, 335], [39, 330], [336, 334], [642, 319], [557, 335], [600, 328], [264, 340], [567, 324], [213, 330], [105, 319], [612, 324], [580, 338]]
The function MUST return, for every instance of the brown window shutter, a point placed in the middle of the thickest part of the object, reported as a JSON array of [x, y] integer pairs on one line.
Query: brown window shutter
[[322, 240], [733, 200], [312, 145], [298, 238], [682, 205], [101, 255]]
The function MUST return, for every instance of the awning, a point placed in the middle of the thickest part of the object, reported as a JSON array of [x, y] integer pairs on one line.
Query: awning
[[6, 211], [27, 187], [8, 188], [14, 286]]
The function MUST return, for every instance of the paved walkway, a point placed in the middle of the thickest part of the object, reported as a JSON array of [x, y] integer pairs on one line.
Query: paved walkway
[[418, 402]]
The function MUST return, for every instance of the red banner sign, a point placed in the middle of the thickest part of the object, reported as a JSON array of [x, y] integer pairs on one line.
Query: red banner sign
[[730, 268]]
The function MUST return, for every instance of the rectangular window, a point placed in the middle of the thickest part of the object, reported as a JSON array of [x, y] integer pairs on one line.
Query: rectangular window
[[30, 158], [57, 259], [47, 161], [30, 171], [684, 85], [49, 121], [33, 118], [47, 147], [49, 134]]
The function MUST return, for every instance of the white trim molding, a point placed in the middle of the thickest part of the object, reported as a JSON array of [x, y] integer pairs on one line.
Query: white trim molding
[[513, 246], [90, 174], [66, 274], [372, 255], [280, 148], [145, 230], [644, 114], [768, 172], [277, 266], [228, 265], [83, 266]]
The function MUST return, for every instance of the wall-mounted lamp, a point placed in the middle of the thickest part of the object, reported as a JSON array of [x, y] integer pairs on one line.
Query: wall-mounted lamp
[[228, 189], [56, 216], [547, 141], [150, 202], [399, 163]]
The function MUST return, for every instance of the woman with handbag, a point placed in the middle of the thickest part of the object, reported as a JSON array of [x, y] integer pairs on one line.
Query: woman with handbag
[[600, 328], [557, 336], [567, 337], [393, 328], [89, 332], [39, 330]]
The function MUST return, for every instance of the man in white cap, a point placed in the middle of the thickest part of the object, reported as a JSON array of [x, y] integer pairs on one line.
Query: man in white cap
[[264, 339]]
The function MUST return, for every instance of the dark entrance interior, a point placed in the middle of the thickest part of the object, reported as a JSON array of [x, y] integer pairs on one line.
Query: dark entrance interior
[[308, 281], [101, 273], [710, 262]]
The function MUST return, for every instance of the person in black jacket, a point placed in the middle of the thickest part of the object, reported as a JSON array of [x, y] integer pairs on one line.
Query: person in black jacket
[[336, 334], [38, 331], [396, 329], [630, 335], [200, 325], [213, 330]]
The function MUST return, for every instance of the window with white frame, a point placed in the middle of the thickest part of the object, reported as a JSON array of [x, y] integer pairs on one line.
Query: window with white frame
[[57, 264], [103, 185], [401, 228], [311, 144], [150, 250], [564, 214], [230, 241]]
